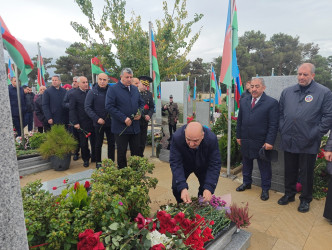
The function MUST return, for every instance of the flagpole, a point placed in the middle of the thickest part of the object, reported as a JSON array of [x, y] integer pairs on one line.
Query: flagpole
[[18, 89], [210, 95], [40, 76], [152, 120], [93, 79], [229, 134]]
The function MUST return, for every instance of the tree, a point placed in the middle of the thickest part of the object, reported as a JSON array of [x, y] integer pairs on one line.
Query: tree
[[132, 42], [34, 73], [78, 61], [323, 70]]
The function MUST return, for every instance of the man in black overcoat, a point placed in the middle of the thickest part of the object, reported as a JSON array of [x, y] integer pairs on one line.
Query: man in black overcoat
[[81, 121], [257, 127]]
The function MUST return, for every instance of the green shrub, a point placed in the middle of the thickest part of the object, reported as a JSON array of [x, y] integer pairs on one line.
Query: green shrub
[[36, 140], [58, 142]]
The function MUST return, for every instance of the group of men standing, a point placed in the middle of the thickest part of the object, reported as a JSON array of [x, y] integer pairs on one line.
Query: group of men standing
[[121, 112], [302, 116]]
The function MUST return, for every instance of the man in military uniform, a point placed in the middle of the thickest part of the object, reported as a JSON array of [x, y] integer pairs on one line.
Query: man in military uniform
[[173, 115], [143, 87]]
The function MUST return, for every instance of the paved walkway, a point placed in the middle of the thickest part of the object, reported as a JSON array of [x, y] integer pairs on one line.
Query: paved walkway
[[272, 226]]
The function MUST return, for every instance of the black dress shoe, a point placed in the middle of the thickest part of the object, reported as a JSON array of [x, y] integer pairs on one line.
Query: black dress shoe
[[304, 207], [285, 200], [265, 195], [75, 157], [98, 165], [86, 164], [243, 187]]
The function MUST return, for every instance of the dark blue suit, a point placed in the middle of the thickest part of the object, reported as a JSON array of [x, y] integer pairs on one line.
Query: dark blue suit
[[204, 162], [256, 126]]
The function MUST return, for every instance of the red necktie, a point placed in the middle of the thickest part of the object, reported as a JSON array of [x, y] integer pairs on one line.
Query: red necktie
[[253, 103]]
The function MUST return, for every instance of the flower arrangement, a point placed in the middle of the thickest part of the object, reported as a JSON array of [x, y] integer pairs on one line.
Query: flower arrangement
[[239, 215], [113, 196], [32, 141]]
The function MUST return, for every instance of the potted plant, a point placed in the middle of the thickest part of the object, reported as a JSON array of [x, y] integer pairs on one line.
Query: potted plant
[[58, 146]]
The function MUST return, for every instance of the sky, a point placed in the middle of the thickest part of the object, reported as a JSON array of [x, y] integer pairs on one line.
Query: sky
[[48, 22]]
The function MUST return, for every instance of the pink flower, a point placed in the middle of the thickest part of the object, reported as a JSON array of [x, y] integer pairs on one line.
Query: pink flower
[[120, 203], [54, 188], [298, 187], [65, 181]]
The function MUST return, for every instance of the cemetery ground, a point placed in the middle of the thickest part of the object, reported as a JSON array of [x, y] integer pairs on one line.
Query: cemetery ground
[[272, 226]]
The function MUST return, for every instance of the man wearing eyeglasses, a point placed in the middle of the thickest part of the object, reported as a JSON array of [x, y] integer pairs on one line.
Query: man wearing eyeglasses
[[194, 149]]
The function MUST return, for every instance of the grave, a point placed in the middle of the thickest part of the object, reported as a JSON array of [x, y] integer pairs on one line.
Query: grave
[[12, 226], [274, 86]]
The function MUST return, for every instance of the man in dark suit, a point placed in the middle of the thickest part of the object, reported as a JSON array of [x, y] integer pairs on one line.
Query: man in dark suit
[[305, 116], [81, 121], [257, 127], [52, 103], [194, 149], [125, 105]]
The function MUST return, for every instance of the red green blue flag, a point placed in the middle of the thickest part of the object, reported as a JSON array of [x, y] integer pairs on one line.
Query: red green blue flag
[[17, 52], [214, 85], [41, 71], [97, 68], [155, 68], [194, 96], [10, 71]]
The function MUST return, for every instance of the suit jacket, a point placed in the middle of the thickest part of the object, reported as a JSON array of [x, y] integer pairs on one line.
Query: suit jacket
[[205, 160], [258, 125]]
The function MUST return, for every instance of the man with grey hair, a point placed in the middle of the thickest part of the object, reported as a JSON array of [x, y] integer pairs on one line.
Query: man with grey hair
[[52, 103], [124, 103], [257, 127], [305, 116]]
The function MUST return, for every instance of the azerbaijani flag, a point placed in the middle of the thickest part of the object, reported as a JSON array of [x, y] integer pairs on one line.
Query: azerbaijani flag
[[155, 68], [10, 71], [214, 85], [41, 71], [97, 68], [194, 97], [17, 52]]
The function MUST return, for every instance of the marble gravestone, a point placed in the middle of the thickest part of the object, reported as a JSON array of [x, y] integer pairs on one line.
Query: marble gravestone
[[203, 113], [12, 226], [274, 86]]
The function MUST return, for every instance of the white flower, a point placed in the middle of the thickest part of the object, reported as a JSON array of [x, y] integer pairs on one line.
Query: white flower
[[157, 238], [19, 139]]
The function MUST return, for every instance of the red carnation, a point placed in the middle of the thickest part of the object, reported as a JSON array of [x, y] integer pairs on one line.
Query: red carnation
[[65, 181], [88, 134], [87, 184], [54, 188], [140, 220], [146, 107], [76, 185]]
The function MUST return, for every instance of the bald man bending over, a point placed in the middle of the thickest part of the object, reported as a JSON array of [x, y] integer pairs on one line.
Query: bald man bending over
[[194, 149]]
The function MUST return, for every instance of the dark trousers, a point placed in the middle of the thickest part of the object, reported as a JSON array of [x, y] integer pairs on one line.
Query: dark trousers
[[306, 164], [171, 128], [142, 138], [75, 133], [28, 120], [100, 131], [264, 169], [84, 144], [328, 203], [201, 179], [17, 126], [122, 145]]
